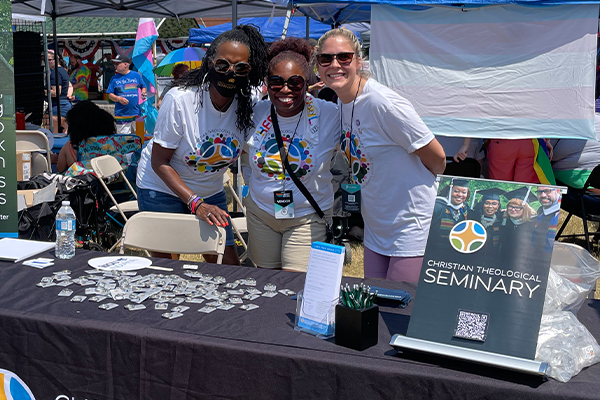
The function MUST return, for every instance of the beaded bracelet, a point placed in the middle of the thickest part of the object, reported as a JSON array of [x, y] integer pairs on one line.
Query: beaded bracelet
[[197, 201]]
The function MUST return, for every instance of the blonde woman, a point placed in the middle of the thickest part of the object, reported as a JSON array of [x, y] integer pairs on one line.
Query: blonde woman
[[392, 155], [517, 226]]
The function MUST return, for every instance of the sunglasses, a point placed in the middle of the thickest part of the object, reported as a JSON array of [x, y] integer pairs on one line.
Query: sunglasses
[[240, 69], [294, 83], [344, 58]]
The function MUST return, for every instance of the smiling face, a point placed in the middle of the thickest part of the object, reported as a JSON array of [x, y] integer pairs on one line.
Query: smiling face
[[490, 207], [343, 79], [547, 196], [287, 102], [515, 208], [458, 195]]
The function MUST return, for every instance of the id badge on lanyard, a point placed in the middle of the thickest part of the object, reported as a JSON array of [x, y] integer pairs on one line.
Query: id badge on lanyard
[[284, 204], [351, 197]]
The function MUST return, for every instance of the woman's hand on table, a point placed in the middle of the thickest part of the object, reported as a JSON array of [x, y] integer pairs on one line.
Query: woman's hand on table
[[212, 214]]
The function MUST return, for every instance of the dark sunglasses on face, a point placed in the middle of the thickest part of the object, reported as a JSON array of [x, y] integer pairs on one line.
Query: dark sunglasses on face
[[344, 58], [294, 83], [240, 69]]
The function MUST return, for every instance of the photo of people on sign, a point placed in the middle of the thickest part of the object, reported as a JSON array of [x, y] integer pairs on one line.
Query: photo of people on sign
[[486, 264]]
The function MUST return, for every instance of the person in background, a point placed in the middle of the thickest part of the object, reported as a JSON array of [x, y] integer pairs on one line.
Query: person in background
[[125, 90], [381, 135], [450, 209], [80, 77], [546, 221], [513, 160], [309, 130], [58, 92], [200, 131], [107, 70], [177, 73], [488, 213], [94, 75], [516, 229], [85, 120]]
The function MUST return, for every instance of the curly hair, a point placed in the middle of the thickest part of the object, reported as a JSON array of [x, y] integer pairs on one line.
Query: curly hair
[[179, 70], [249, 36], [292, 49], [87, 120]]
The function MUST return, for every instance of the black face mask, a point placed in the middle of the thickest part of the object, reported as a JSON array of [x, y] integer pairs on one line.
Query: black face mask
[[228, 84]]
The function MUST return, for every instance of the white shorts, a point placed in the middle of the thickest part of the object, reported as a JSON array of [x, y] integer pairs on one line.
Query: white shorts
[[126, 128]]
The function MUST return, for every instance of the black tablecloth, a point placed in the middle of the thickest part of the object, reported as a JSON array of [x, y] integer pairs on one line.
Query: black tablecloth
[[58, 347]]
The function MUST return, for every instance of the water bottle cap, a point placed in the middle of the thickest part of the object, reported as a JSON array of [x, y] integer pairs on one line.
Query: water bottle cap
[[66, 203]]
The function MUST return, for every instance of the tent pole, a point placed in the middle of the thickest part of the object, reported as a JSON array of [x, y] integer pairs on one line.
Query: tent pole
[[288, 18], [233, 13], [307, 28], [48, 95], [56, 65]]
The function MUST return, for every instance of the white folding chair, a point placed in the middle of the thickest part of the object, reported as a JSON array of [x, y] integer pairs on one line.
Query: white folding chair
[[36, 143], [105, 167], [238, 224], [173, 233]]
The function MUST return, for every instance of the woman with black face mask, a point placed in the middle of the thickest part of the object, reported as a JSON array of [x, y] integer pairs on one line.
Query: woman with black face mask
[[200, 131]]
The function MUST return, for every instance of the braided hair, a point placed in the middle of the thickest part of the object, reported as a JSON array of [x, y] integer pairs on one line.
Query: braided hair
[[296, 50], [249, 36]]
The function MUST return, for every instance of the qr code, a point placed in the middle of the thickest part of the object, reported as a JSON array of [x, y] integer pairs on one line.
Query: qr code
[[471, 325], [351, 198]]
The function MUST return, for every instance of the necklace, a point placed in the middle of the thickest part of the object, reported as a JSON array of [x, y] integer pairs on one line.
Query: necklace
[[223, 109], [348, 152]]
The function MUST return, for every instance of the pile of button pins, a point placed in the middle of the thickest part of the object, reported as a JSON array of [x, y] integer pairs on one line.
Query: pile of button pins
[[215, 293]]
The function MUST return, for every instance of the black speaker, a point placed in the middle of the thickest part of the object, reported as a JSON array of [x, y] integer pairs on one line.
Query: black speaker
[[29, 74]]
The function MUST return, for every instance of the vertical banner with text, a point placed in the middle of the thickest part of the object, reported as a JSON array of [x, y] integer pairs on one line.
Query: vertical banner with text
[[8, 162]]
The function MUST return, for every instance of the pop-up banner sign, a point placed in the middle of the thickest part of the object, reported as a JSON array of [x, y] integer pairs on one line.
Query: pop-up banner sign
[[486, 265]]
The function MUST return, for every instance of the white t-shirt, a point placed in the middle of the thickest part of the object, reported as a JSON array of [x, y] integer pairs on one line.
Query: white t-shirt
[[205, 140], [309, 154], [397, 191]]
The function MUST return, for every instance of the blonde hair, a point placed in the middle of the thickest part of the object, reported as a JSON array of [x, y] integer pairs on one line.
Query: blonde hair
[[528, 211], [349, 37]]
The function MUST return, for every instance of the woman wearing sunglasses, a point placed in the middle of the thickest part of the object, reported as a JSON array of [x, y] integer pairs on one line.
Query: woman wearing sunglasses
[[200, 131], [282, 223], [392, 155]]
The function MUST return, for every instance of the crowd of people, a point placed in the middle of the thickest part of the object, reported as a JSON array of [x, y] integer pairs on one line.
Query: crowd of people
[[211, 116]]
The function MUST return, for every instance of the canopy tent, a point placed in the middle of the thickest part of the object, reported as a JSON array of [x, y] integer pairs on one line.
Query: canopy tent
[[337, 13], [147, 8], [271, 29]]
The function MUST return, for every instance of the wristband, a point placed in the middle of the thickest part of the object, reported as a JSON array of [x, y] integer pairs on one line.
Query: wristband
[[190, 199], [195, 203]]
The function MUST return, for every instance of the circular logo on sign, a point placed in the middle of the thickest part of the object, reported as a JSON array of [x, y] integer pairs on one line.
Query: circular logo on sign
[[468, 236], [12, 387]]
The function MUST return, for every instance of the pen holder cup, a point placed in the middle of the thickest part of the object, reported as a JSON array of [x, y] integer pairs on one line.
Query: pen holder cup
[[356, 329]]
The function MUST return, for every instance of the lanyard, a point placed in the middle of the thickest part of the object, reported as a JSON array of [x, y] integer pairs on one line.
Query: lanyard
[[348, 151]]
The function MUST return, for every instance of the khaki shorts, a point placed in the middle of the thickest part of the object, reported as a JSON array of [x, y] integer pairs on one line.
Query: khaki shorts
[[282, 243]]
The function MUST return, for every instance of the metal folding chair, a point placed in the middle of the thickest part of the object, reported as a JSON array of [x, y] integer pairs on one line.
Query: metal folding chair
[[106, 167], [238, 224], [583, 197], [36, 143], [173, 233]]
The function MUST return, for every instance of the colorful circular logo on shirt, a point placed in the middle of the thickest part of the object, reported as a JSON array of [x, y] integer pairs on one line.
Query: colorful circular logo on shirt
[[268, 159], [351, 148], [468, 236], [213, 154], [13, 388]]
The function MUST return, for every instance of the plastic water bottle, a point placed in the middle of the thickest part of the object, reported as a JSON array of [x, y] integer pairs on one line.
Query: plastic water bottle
[[65, 232]]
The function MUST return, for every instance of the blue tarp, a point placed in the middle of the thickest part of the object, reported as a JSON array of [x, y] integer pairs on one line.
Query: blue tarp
[[271, 31], [333, 12]]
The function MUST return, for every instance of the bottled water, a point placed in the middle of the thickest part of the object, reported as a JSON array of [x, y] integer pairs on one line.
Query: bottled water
[[65, 231]]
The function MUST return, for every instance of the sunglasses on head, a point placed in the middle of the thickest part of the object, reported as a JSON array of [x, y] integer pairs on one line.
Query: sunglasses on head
[[241, 68], [343, 58], [294, 83]]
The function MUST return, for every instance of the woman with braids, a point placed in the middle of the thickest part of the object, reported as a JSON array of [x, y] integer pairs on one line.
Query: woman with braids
[[282, 222], [382, 135], [200, 131]]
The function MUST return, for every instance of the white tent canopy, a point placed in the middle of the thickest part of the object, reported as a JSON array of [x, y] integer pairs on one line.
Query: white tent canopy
[[147, 8]]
